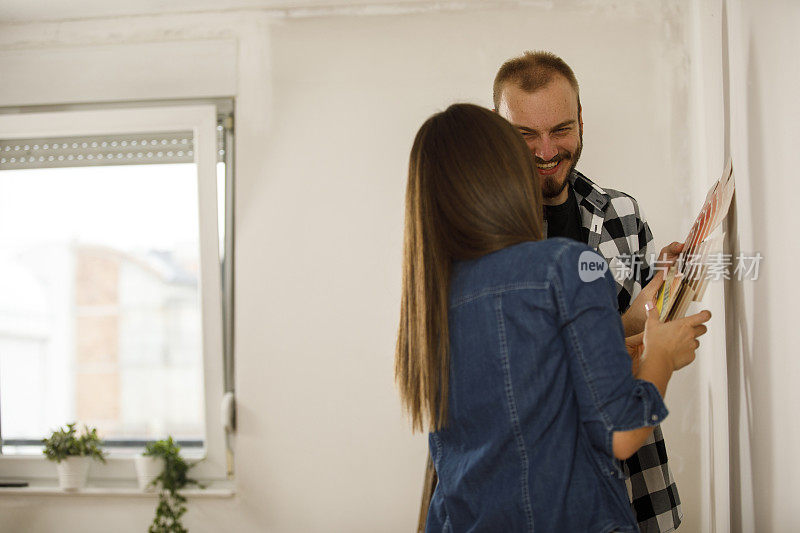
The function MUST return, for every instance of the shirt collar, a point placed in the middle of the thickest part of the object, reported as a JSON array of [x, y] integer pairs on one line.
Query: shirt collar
[[588, 193]]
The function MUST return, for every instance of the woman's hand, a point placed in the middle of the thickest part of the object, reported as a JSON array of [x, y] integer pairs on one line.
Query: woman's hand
[[675, 341], [665, 347]]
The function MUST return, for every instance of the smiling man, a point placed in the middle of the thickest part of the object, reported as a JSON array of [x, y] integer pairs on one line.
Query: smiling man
[[538, 93], [549, 118]]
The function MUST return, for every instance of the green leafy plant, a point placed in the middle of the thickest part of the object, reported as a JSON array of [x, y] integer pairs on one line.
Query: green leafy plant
[[171, 504], [64, 442]]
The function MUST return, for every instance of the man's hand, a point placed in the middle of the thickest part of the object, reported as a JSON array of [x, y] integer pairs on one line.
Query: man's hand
[[634, 318], [635, 347], [670, 253]]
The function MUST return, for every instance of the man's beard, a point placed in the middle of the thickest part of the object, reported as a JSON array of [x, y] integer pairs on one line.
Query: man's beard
[[551, 187]]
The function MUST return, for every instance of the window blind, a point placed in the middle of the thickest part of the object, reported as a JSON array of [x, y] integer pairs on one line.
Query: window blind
[[104, 150]]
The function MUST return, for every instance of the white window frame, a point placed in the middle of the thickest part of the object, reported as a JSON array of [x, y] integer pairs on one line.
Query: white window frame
[[202, 121]]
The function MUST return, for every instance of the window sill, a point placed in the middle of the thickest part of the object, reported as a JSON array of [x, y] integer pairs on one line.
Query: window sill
[[118, 471], [215, 489]]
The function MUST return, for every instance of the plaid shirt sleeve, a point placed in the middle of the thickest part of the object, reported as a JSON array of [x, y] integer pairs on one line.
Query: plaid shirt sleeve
[[626, 240], [646, 252]]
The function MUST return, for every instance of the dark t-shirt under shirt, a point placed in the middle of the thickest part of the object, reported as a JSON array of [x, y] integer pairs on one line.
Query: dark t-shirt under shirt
[[564, 220]]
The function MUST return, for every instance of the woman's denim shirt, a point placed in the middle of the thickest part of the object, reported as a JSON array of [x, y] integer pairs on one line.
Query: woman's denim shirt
[[539, 381]]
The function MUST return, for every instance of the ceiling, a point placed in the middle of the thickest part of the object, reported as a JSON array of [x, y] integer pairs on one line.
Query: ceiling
[[52, 10]]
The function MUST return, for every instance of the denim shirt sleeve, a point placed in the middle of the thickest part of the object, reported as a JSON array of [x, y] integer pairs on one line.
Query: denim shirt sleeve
[[609, 397]]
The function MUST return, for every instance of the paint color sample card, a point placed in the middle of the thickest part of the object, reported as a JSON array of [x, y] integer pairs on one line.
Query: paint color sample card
[[687, 279]]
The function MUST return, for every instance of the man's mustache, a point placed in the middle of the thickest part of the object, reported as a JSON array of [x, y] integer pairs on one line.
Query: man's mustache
[[558, 157]]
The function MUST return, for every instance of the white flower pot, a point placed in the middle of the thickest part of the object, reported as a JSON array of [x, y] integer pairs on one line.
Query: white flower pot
[[73, 472], [147, 469]]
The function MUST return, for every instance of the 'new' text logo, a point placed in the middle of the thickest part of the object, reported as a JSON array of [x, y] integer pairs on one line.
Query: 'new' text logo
[[591, 266]]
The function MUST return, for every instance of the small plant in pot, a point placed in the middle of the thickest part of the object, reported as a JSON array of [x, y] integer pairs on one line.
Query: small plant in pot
[[171, 504], [148, 468], [72, 453]]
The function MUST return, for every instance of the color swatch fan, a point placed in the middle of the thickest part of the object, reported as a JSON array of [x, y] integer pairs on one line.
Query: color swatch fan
[[685, 281]]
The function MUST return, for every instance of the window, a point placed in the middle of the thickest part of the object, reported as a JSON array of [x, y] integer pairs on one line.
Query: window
[[115, 269]]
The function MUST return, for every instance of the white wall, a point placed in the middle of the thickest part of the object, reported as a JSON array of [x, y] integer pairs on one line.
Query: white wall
[[706, 133], [744, 86], [327, 107], [763, 334]]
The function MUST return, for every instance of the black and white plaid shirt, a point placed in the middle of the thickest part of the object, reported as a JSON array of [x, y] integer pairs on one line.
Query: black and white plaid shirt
[[613, 225]]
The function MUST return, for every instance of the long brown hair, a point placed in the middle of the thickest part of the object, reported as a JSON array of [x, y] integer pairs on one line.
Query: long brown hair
[[472, 189]]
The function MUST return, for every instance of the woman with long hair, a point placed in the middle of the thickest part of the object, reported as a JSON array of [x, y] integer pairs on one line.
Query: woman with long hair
[[510, 351]]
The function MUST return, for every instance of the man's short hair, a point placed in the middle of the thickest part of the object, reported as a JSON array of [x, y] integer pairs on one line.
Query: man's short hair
[[530, 72]]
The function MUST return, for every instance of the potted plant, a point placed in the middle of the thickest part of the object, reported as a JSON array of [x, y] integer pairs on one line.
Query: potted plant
[[148, 467], [72, 454], [171, 504]]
